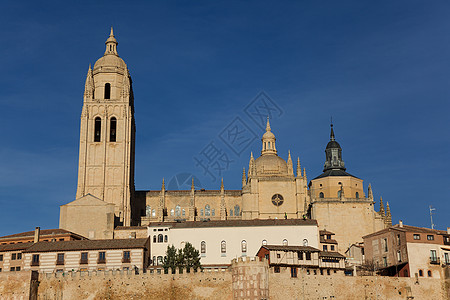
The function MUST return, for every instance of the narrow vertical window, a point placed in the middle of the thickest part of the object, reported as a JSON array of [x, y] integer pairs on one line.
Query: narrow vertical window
[[321, 195], [357, 195], [244, 248], [107, 91], [207, 210], [223, 247], [203, 248], [112, 129], [237, 211], [97, 129]]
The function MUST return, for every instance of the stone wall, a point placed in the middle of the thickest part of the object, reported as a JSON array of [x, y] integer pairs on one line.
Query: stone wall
[[127, 285], [282, 286], [15, 285]]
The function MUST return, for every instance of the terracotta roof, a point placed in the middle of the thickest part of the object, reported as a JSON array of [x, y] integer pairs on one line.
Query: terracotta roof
[[290, 248], [407, 228], [331, 254], [87, 245], [234, 223], [15, 247], [328, 241], [321, 232], [43, 232]]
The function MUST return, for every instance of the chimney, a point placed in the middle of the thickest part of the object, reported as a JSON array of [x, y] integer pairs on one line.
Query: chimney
[[37, 232], [448, 230], [400, 223]]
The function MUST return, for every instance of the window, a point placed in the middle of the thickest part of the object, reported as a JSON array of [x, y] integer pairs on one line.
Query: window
[[321, 195], [160, 238], [398, 239], [223, 247], [308, 255], [357, 195], [305, 242], [159, 260], [339, 196], [154, 239], [328, 236], [447, 258], [153, 213], [60, 259], [18, 269], [1, 257], [405, 273], [293, 272], [107, 91], [183, 212], [420, 273], [201, 212], [154, 260], [35, 260], [429, 273], [126, 257], [172, 212], [112, 129], [385, 261], [13, 256], [177, 211], [399, 256], [264, 242], [244, 247], [166, 239], [430, 237], [97, 129], [385, 244], [328, 271], [231, 212], [203, 248], [207, 210], [332, 247], [416, 236], [0, 269], [84, 258], [101, 257], [276, 269], [300, 255], [12, 269], [278, 255], [433, 256], [285, 242], [325, 248], [237, 210]]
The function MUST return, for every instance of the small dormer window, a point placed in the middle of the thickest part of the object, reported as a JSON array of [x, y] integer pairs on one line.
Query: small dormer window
[[107, 91]]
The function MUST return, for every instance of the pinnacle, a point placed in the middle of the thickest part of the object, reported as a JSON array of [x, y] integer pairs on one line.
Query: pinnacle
[[268, 124]]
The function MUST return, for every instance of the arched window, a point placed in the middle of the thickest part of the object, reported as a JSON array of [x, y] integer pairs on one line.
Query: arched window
[[339, 194], [203, 247], [285, 242], [112, 129], [201, 211], [207, 210], [244, 247], [213, 212], [148, 211], [264, 242], [153, 213], [183, 212], [159, 260], [97, 129], [357, 195], [160, 238], [177, 211], [172, 212], [166, 239], [231, 212], [107, 91], [420, 273], [237, 211], [321, 195], [305, 242], [223, 247], [154, 260], [429, 273], [154, 239]]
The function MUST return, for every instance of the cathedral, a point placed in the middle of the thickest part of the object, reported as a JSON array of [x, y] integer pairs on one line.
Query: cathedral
[[272, 188]]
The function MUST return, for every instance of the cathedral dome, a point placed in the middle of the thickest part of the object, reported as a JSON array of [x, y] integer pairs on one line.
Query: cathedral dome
[[271, 165], [110, 60], [333, 144]]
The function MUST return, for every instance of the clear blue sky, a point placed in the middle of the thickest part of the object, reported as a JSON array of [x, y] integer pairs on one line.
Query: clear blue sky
[[380, 68]]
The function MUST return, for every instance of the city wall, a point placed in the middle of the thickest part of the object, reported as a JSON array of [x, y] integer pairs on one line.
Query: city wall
[[246, 279]]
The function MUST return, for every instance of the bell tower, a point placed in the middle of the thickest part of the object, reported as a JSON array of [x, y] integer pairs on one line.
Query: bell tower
[[107, 134]]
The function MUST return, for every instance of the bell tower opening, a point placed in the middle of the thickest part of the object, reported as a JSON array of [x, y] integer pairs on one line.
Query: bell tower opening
[[107, 91]]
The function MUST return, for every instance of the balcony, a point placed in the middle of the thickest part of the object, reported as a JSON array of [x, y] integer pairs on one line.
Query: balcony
[[434, 260], [34, 263], [126, 260], [83, 261], [101, 261], [59, 262]]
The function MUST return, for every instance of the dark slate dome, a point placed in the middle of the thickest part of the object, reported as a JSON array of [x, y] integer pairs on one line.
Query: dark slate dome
[[333, 144]]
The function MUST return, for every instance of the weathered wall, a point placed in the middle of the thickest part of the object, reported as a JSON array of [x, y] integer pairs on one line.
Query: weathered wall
[[15, 285], [282, 286], [208, 285]]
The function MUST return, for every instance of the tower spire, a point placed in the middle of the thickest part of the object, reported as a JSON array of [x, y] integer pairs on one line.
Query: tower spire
[[289, 164], [111, 44], [333, 154], [268, 141], [381, 207], [388, 220], [299, 168], [244, 178]]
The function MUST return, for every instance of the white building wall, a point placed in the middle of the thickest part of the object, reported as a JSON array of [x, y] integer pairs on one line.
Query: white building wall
[[233, 236], [419, 259]]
